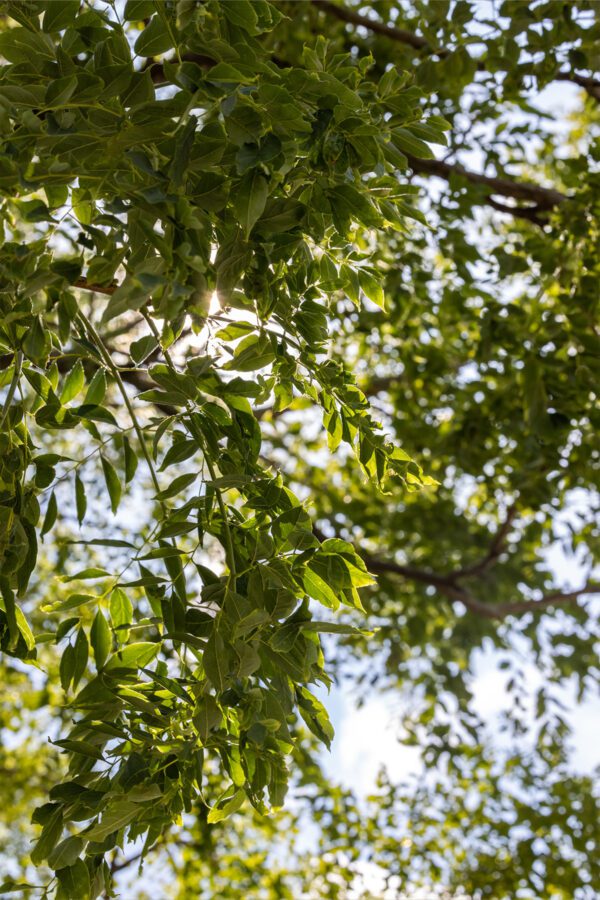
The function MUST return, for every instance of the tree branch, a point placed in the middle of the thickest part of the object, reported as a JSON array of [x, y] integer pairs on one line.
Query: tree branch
[[590, 85], [495, 549], [158, 74], [448, 586], [402, 36], [86, 285], [395, 34], [128, 861], [529, 213], [543, 199], [556, 598]]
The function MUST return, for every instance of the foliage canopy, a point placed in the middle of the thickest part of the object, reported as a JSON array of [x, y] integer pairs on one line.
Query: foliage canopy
[[299, 360]]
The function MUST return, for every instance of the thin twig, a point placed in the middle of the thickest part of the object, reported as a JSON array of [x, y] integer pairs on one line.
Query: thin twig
[[12, 387], [229, 550], [495, 549], [97, 340]]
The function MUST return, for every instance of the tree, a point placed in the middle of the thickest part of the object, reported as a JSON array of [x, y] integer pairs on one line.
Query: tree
[[281, 382]]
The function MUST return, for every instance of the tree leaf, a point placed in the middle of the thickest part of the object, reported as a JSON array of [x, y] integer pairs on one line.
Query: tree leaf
[[121, 613], [113, 485], [48, 839], [118, 816], [51, 513], [250, 199], [131, 461], [81, 651], [154, 39], [65, 853], [101, 639], [96, 390], [214, 661], [217, 814], [80, 499], [133, 656], [74, 882]]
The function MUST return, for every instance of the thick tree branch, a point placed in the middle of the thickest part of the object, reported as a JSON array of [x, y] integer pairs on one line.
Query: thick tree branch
[[395, 34], [529, 213], [449, 586], [403, 36], [495, 550], [590, 85], [543, 199], [556, 598], [159, 76], [86, 285]]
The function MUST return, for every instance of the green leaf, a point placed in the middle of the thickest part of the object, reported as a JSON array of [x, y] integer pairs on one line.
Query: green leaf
[[36, 344], [154, 39], [332, 628], [241, 12], [20, 45], [83, 205], [48, 839], [121, 613], [72, 602], [96, 390], [234, 331], [66, 853], [315, 715], [177, 486], [228, 74], [74, 882], [141, 349], [17, 623], [120, 815], [113, 485], [81, 651], [10, 608], [138, 10], [217, 814], [74, 383], [408, 143], [60, 14], [207, 715], [11, 887], [90, 573], [101, 639], [131, 461], [83, 748], [133, 656], [80, 499], [24, 629], [372, 287], [253, 353], [318, 589], [214, 661], [250, 199], [51, 514]]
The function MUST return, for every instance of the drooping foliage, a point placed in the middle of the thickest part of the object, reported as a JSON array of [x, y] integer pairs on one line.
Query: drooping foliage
[[299, 338]]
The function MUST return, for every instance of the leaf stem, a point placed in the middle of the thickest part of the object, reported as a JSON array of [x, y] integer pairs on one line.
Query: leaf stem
[[228, 545], [12, 387], [97, 340]]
